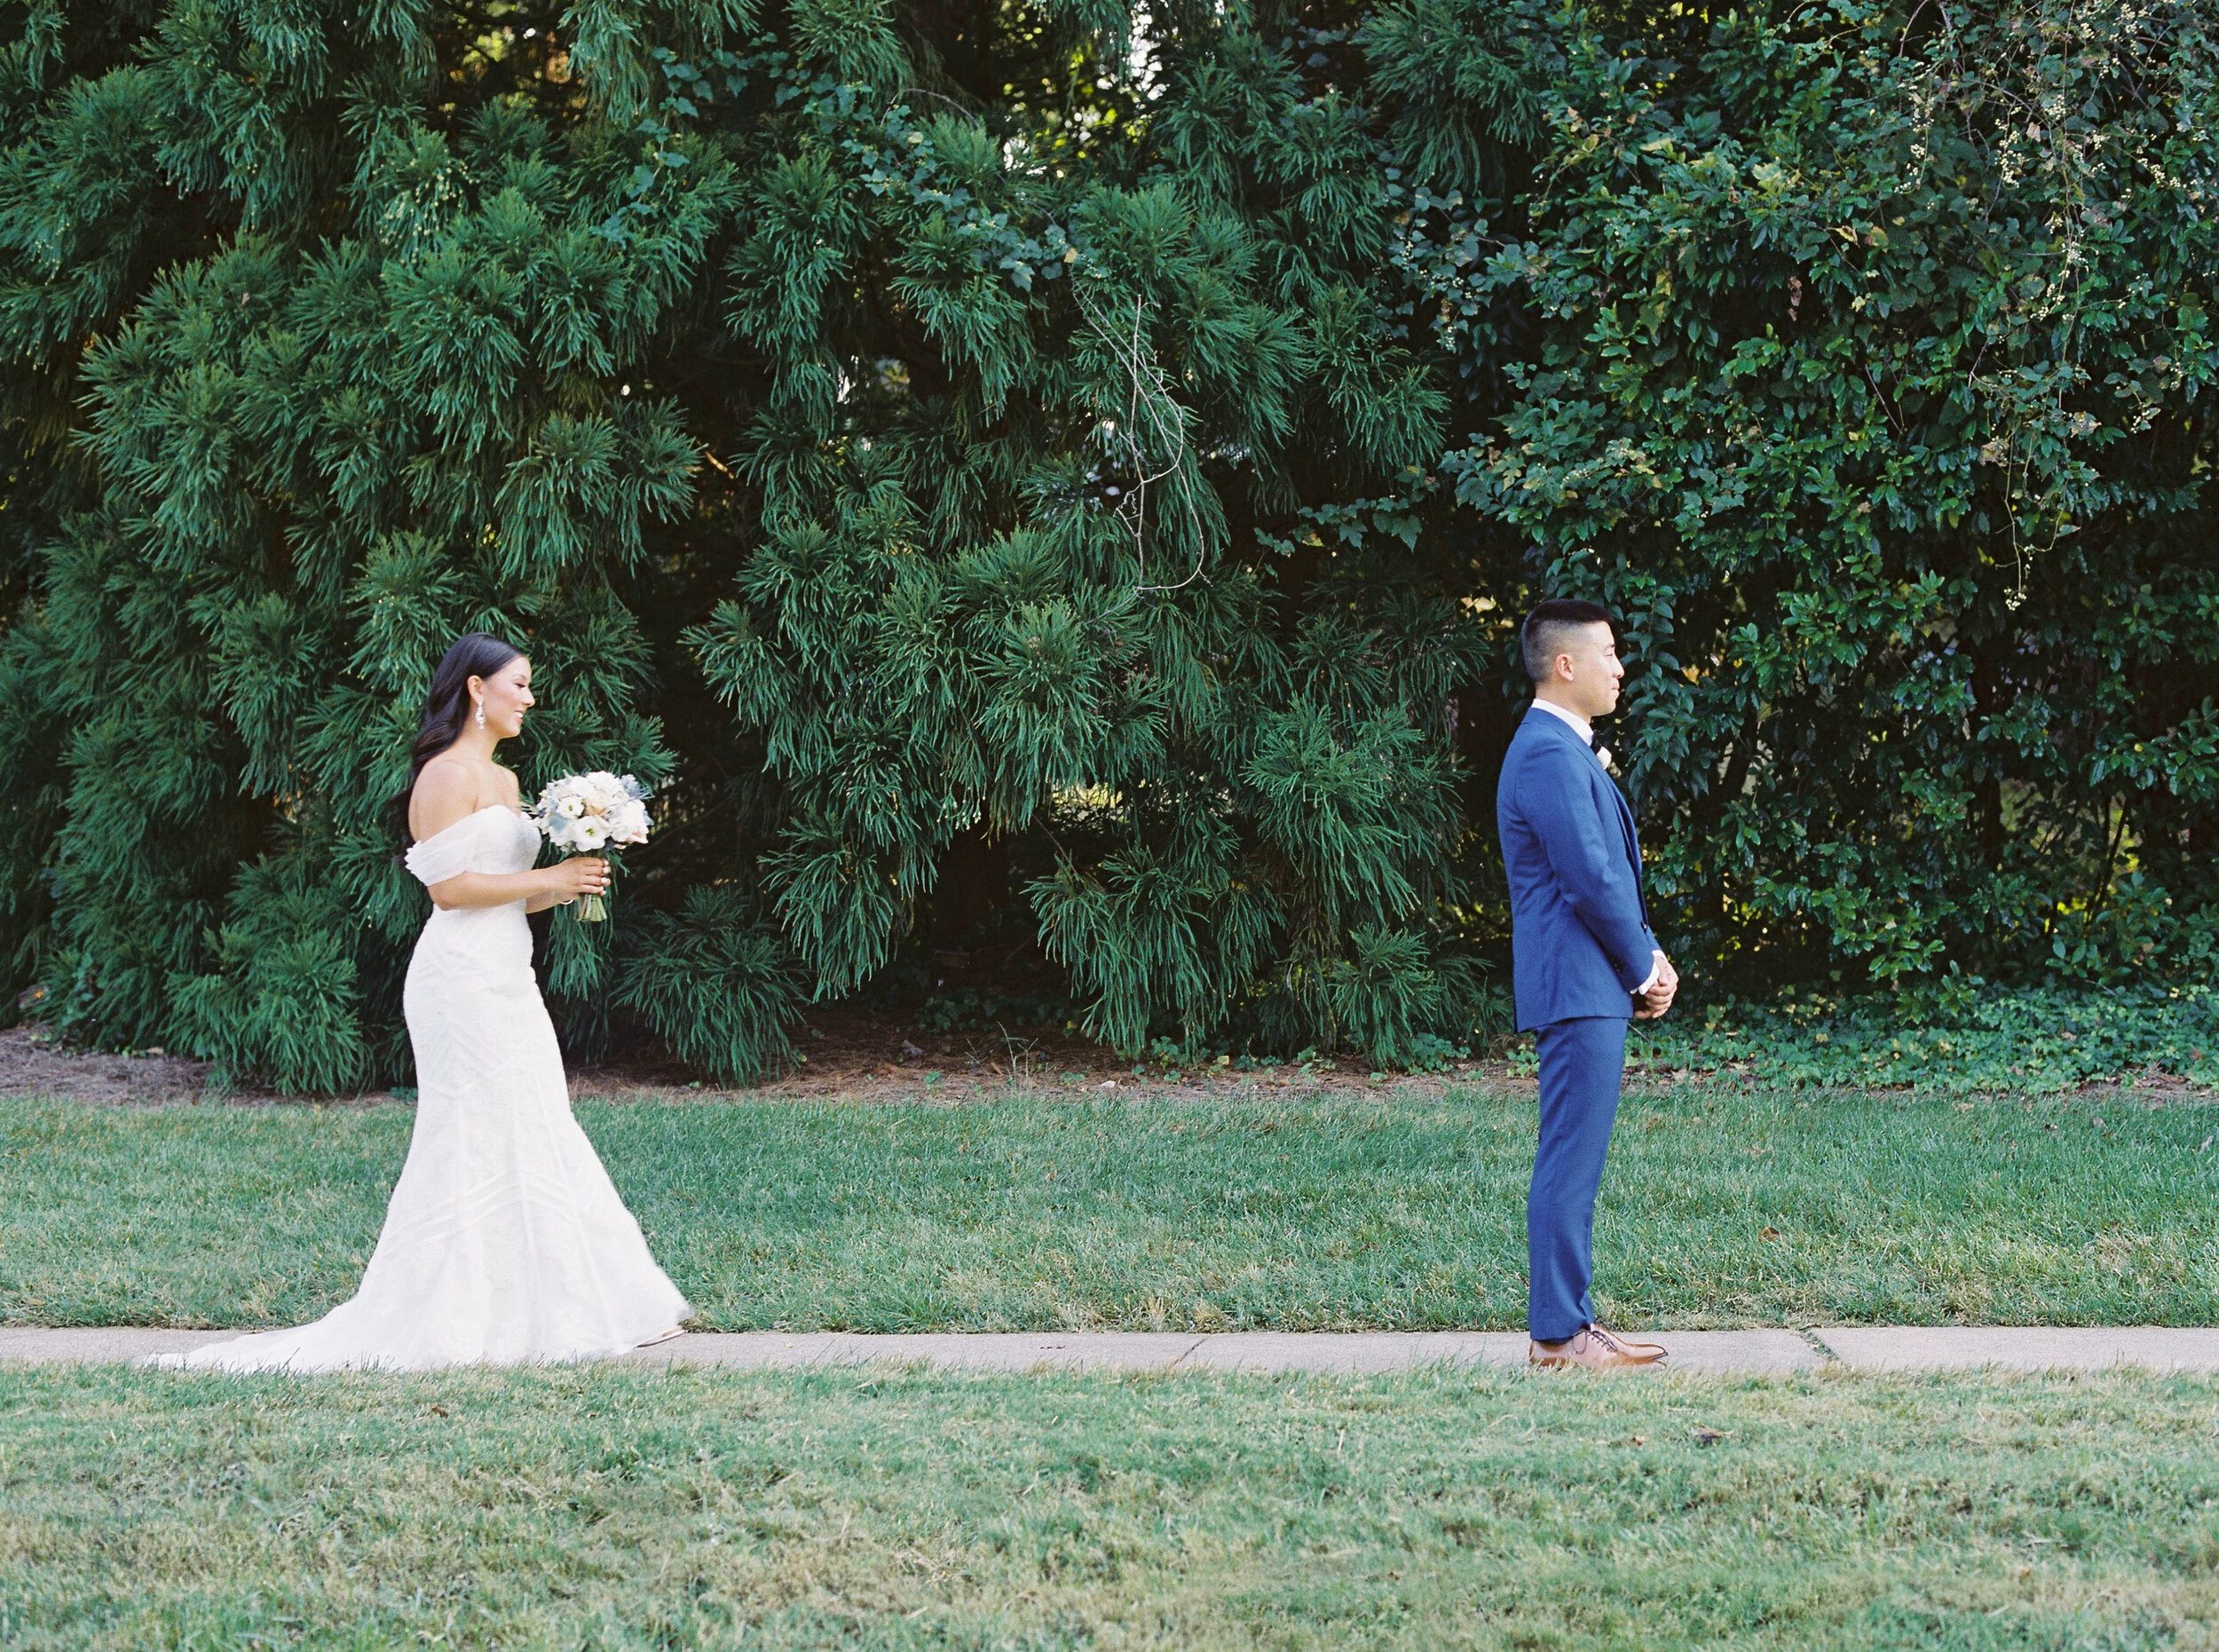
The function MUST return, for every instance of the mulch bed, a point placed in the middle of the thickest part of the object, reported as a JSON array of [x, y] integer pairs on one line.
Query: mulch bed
[[853, 1055], [866, 1056], [34, 1063]]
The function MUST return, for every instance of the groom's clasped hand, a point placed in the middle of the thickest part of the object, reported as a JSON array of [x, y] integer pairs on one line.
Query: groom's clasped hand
[[1649, 1005]]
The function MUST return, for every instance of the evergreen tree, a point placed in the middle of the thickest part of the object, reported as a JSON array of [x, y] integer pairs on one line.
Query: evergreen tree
[[884, 438]]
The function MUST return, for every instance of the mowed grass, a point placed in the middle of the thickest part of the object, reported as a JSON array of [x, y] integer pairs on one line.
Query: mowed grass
[[630, 1508], [1722, 1207]]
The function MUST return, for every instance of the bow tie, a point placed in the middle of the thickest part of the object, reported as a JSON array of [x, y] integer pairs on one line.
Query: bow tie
[[1595, 740]]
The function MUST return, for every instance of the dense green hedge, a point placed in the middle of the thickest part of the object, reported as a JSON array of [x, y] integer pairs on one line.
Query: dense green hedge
[[1859, 359], [1044, 490]]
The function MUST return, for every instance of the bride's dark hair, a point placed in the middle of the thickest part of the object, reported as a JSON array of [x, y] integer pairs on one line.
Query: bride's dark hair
[[472, 655]]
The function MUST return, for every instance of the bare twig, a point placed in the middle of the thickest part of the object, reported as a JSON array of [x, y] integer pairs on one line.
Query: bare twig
[[1152, 440]]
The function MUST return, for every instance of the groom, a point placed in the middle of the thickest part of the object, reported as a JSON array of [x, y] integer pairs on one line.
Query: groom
[[1583, 960]]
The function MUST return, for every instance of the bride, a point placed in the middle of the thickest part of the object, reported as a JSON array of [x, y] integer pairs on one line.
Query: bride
[[505, 1241]]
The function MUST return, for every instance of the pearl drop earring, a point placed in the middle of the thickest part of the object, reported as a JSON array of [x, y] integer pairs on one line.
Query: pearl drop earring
[[481, 714]]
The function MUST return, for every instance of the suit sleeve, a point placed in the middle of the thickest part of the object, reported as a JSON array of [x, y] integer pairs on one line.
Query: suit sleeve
[[1590, 863]]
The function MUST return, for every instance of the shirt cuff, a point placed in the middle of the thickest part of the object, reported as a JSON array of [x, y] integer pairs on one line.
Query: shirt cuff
[[1657, 971]]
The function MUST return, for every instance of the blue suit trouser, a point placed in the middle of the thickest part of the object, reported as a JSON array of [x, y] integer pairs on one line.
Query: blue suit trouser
[[1583, 1062]]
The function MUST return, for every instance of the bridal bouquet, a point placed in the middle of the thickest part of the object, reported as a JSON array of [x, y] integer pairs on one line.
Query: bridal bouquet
[[587, 814]]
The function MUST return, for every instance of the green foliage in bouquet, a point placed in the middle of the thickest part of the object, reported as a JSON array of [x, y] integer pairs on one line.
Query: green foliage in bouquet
[[1065, 475]]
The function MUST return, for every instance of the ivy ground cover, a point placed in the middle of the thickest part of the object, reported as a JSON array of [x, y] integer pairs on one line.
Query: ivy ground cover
[[1723, 1206]]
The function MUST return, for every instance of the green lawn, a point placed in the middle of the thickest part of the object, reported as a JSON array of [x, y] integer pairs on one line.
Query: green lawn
[[1724, 1206], [629, 1508]]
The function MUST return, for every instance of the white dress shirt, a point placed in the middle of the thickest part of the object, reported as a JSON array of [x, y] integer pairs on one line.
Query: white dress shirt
[[1585, 730], [1581, 726]]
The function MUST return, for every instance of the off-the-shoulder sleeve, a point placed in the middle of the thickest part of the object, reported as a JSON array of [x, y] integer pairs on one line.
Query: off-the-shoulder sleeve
[[443, 854]]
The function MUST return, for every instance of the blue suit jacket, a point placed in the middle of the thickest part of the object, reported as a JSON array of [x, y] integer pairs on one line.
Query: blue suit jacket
[[1579, 935]]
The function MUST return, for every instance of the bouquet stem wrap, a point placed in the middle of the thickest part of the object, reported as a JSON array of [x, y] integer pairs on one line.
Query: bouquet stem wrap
[[590, 814]]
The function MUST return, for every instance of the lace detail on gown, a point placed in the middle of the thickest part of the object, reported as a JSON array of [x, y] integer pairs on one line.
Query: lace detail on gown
[[505, 1242]]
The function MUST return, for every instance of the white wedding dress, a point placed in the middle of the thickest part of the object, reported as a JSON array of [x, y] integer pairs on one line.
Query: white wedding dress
[[505, 1242]]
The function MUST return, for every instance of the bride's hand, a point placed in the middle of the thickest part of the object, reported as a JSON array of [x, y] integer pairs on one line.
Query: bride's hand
[[582, 874]]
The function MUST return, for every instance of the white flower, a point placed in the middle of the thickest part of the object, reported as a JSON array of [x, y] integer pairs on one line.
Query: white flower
[[585, 812]]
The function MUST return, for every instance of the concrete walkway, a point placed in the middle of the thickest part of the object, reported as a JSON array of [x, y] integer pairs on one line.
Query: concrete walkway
[[1856, 1348]]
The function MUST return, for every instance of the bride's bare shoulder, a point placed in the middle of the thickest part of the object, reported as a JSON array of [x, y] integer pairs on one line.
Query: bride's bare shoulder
[[446, 792]]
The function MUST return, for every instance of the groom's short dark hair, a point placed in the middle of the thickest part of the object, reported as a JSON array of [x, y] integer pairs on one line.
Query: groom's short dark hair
[[1543, 635]]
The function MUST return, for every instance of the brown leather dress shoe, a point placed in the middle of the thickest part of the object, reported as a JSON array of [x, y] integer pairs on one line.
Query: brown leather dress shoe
[[1598, 1350], [1638, 1345]]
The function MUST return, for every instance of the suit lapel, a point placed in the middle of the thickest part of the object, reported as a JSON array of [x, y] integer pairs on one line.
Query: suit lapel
[[1626, 831], [1633, 841]]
